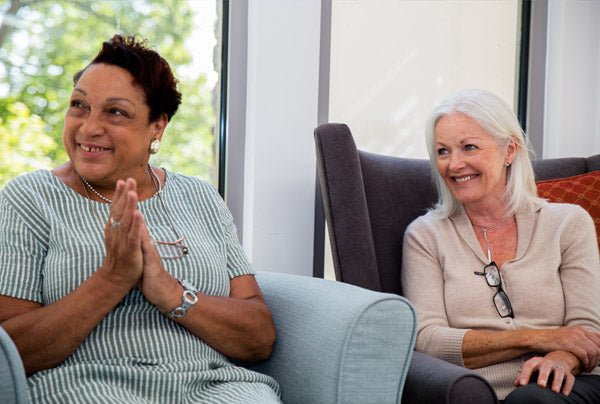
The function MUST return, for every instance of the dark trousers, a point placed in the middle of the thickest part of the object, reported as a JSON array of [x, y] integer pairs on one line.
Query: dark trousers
[[585, 391]]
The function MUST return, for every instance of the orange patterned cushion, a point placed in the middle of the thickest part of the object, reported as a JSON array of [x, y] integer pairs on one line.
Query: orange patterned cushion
[[583, 190]]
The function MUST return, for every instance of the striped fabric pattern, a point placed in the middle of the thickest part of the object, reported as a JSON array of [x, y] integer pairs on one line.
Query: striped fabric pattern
[[51, 240]]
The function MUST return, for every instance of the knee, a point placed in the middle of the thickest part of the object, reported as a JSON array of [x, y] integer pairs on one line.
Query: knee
[[532, 394]]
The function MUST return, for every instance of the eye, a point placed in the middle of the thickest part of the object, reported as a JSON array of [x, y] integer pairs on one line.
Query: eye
[[76, 104], [442, 151], [117, 112], [77, 108], [470, 147]]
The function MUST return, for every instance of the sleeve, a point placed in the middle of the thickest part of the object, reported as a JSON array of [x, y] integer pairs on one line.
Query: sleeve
[[23, 246], [580, 271], [237, 262], [423, 284]]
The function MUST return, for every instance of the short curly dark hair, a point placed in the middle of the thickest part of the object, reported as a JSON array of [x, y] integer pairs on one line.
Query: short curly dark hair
[[150, 72]]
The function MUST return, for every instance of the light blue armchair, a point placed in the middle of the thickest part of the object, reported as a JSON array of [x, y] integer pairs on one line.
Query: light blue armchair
[[336, 343], [13, 387]]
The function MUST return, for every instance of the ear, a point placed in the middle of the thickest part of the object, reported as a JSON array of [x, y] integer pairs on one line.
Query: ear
[[158, 126], [511, 151]]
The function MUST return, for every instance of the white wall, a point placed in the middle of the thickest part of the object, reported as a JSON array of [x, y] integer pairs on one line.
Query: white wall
[[281, 114], [572, 108]]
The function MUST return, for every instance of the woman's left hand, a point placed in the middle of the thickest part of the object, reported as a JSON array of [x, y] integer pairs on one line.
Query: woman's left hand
[[156, 284], [562, 365]]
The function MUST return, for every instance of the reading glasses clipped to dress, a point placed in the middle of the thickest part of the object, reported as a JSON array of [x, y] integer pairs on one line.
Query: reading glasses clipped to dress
[[171, 249], [494, 280]]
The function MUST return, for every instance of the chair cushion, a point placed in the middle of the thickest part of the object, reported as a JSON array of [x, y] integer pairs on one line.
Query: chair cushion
[[583, 190]]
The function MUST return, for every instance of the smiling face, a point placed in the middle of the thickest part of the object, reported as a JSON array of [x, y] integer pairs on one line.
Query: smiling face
[[107, 132], [471, 162]]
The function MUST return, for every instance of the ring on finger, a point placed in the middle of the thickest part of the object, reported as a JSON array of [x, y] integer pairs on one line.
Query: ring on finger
[[114, 224]]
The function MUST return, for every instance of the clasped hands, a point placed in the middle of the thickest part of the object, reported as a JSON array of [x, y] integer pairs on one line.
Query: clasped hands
[[568, 351], [131, 257]]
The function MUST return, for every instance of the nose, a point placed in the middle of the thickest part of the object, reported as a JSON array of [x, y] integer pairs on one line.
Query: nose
[[92, 125], [456, 161]]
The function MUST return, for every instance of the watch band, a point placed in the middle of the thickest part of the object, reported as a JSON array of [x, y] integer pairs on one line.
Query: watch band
[[188, 299]]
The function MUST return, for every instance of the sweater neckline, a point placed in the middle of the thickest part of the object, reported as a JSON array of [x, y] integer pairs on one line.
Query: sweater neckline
[[526, 222]]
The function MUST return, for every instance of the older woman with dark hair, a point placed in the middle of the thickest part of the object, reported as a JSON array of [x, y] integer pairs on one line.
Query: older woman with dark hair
[[120, 281], [503, 282]]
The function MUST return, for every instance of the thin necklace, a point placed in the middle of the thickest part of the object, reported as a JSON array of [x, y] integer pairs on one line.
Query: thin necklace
[[493, 227], [95, 211], [484, 230], [487, 243], [98, 194], [155, 181]]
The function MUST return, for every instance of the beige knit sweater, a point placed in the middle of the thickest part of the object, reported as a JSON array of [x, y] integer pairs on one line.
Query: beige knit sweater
[[553, 281]]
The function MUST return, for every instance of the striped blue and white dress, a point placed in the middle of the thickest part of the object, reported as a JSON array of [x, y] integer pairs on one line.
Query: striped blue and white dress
[[51, 240]]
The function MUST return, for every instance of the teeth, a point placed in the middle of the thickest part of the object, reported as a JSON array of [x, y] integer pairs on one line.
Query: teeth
[[465, 179], [92, 149]]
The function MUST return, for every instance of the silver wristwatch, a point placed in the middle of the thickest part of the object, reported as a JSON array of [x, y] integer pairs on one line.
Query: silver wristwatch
[[188, 299]]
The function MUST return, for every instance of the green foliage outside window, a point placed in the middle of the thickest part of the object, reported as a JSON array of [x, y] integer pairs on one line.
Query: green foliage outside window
[[44, 42]]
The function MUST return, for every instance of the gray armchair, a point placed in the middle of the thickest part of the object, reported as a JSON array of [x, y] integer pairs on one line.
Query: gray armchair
[[369, 200], [336, 343]]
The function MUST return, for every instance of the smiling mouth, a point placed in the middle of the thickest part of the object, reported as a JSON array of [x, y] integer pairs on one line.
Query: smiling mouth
[[92, 149], [466, 178]]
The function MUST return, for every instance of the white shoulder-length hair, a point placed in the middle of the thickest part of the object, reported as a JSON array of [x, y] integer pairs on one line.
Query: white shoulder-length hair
[[498, 120]]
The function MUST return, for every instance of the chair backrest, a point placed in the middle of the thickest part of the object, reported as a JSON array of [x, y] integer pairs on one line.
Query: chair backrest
[[369, 199]]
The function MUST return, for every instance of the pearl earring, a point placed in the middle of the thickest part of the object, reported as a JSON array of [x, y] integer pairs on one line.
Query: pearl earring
[[154, 146], [507, 164]]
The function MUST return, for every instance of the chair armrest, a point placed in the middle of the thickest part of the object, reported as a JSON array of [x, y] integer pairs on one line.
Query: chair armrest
[[337, 343], [432, 380], [13, 384]]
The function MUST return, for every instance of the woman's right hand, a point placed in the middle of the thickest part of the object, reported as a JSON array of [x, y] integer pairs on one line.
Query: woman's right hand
[[562, 365], [124, 260], [578, 340]]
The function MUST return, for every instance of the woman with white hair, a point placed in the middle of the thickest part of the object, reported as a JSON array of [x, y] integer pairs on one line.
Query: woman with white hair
[[504, 282]]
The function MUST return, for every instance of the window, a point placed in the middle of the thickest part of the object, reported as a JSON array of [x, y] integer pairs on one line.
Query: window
[[42, 44], [393, 61]]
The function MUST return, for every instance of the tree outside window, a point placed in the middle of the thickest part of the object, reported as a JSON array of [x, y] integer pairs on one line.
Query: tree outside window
[[44, 42]]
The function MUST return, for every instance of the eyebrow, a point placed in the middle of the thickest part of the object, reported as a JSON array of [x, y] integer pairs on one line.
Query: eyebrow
[[465, 140], [470, 138], [109, 99]]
